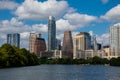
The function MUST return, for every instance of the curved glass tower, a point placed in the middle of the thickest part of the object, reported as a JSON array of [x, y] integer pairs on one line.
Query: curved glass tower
[[51, 33]]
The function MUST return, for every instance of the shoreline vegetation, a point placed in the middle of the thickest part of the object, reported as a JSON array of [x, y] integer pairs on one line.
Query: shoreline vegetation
[[11, 56]]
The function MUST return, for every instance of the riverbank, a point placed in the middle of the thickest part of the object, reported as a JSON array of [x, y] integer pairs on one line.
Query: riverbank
[[90, 61], [11, 56]]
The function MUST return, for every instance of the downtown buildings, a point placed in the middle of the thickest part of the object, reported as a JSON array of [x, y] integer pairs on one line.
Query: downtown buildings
[[115, 40], [14, 39], [36, 44], [83, 45]]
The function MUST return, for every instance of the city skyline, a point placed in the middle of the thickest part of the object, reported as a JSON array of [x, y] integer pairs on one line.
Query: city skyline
[[77, 16]]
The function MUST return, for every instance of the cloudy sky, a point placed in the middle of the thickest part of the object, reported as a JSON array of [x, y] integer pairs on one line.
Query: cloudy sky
[[25, 16]]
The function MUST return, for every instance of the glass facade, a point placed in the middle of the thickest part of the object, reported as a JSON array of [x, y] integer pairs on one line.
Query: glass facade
[[51, 33], [115, 40], [13, 39], [82, 42]]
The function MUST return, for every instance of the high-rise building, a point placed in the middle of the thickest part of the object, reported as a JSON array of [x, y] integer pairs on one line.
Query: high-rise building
[[67, 47], [51, 33], [40, 46], [115, 40], [36, 44], [82, 42], [32, 39], [14, 39]]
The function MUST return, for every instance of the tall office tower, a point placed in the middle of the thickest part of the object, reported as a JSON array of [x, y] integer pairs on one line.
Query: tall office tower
[[14, 39], [51, 33], [36, 44], [115, 40], [67, 47], [82, 42]]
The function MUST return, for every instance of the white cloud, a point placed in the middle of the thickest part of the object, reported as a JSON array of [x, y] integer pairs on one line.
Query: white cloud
[[13, 25], [74, 21], [113, 14], [24, 35], [104, 39], [105, 1], [32, 9], [40, 28], [6, 4], [16, 26], [62, 25], [79, 20]]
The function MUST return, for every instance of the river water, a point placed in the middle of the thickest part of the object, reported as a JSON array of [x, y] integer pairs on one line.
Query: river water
[[61, 72]]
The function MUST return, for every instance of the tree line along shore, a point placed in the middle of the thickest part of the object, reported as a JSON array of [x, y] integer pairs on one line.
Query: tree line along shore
[[11, 56]]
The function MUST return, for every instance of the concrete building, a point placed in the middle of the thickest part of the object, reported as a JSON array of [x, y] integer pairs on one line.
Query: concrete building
[[67, 47], [51, 33], [57, 54], [115, 40], [82, 42], [14, 39], [107, 53], [36, 44]]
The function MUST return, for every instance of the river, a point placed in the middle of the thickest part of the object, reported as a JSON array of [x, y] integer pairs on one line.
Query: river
[[61, 72]]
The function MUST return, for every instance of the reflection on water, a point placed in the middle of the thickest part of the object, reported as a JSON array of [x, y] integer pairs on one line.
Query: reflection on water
[[61, 72]]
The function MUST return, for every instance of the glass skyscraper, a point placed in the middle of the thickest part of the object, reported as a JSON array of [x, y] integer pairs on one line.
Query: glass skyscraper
[[14, 39], [115, 40], [51, 33]]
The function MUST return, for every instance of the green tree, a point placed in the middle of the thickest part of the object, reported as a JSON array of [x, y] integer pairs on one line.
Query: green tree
[[11, 56]]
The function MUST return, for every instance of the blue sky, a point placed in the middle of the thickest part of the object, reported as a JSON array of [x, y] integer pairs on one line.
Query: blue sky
[[25, 16]]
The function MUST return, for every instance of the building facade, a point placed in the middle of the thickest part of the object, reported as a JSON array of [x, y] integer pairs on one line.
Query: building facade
[[36, 44], [115, 40], [40, 46], [32, 40], [51, 33], [67, 47], [82, 42], [14, 39]]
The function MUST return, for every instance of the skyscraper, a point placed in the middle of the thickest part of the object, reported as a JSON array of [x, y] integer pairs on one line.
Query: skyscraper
[[82, 41], [14, 39], [115, 40], [51, 33], [36, 44], [67, 48]]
